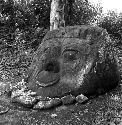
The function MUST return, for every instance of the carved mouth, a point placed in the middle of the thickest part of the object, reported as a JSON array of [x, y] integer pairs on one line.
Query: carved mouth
[[47, 83]]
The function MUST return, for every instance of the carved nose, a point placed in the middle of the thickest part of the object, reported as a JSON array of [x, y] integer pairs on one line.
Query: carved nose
[[52, 66]]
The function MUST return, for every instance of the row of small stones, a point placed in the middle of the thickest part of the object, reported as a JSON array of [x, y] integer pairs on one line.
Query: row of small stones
[[28, 99]]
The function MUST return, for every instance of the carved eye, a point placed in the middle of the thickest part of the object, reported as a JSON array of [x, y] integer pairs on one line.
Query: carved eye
[[70, 55]]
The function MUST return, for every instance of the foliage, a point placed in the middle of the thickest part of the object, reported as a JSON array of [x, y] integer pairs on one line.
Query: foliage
[[112, 22], [82, 12]]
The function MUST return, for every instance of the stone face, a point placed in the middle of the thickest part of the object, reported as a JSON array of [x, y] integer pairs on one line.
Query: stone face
[[74, 60]]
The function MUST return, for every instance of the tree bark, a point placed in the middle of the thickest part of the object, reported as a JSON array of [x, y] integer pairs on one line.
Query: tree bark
[[57, 14], [61, 13]]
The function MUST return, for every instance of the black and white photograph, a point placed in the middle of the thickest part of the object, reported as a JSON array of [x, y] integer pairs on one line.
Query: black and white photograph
[[60, 62]]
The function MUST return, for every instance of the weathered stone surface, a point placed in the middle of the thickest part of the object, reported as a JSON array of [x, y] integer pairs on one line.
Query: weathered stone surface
[[47, 104], [69, 99], [81, 98], [25, 100]]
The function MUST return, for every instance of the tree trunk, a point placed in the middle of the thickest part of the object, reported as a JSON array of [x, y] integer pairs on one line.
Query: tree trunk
[[57, 14]]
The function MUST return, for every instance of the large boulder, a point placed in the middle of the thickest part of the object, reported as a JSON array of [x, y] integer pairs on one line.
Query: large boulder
[[74, 60]]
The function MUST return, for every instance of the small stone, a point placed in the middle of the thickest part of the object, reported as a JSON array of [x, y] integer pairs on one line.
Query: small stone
[[53, 115], [81, 98], [56, 101], [31, 93], [18, 92], [47, 104], [26, 101], [39, 105], [69, 99], [22, 92]]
